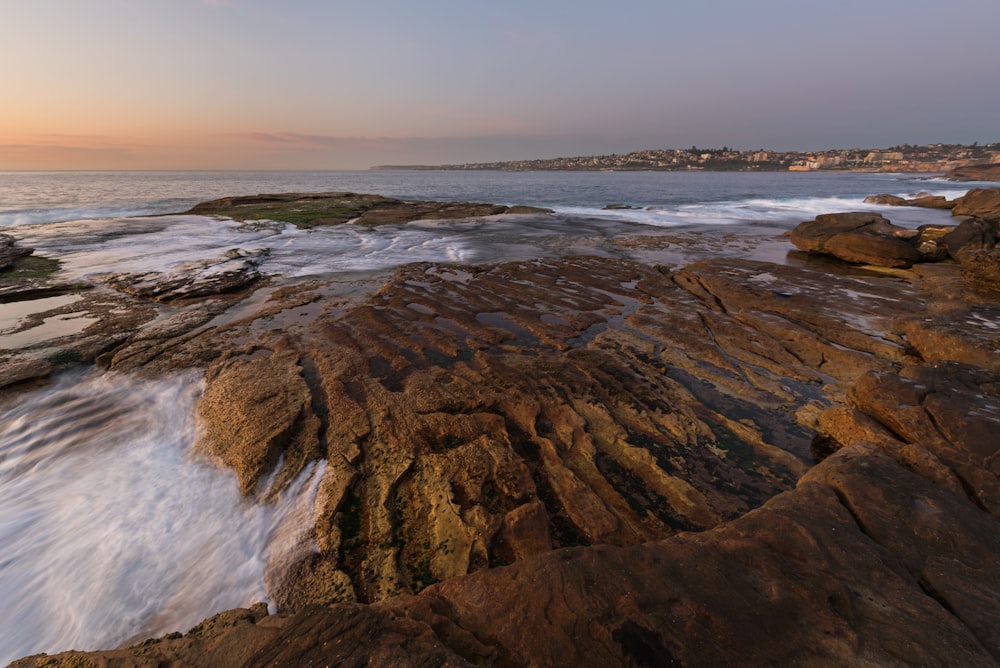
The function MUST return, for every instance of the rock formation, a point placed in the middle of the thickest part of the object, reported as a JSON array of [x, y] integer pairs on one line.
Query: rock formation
[[869, 238], [312, 209], [742, 462], [982, 172], [236, 270], [862, 238]]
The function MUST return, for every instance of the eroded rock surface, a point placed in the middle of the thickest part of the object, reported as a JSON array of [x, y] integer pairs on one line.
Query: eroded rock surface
[[869, 560], [474, 416], [663, 427]]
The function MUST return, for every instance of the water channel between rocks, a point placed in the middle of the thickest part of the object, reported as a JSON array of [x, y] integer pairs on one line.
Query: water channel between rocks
[[112, 529]]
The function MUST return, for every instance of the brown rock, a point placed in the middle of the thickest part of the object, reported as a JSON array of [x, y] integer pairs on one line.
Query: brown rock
[[931, 202], [979, 202], [951, 410], [479, 416], [866, 248], [860, 237], [971, 235], [930, 242], [18, 369], [965, 333], [985, 172], [254, 410], [885, 200], [471, 432], [822, 575], [981, 272]]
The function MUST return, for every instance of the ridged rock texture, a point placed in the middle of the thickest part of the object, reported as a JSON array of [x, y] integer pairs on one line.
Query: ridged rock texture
[[744, 463]]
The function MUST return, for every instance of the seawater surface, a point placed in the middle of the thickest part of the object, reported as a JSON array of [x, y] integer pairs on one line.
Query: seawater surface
[[88, 221], [662, 197], [112, 529]]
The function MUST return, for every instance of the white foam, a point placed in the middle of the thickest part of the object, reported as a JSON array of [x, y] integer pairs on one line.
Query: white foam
[[755, 210], [35, 216], [111, 530]]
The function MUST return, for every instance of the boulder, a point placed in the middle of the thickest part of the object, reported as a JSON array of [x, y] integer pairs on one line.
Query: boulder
[[922, 199], [858, 237], [972, 234], [885, 200], [864, 248], [931, 202], [930, 242], [979, 202]]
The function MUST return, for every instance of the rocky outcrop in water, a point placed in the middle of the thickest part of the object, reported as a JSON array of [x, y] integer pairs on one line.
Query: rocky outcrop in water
[[923, 200], [315, 209], [745, 463], [869, 238], [979, 202], [861, 238]]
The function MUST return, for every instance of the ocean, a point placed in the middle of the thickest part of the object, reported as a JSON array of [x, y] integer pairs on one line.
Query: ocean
[[663, 198], [111, 529]]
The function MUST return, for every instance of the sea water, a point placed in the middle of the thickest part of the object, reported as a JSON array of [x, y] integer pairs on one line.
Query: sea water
[[111, 527], [664, 198]]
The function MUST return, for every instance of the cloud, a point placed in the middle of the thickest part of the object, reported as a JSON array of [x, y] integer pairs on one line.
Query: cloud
[[302, 141], [56, 148]]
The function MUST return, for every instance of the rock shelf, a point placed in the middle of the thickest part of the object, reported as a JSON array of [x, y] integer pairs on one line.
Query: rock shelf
[[594, 461]]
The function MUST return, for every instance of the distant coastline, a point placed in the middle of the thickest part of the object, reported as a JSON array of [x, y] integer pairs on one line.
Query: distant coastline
[[931, 158]]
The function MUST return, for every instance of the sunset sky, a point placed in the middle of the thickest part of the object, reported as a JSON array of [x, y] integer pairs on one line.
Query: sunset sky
[[263, 84]]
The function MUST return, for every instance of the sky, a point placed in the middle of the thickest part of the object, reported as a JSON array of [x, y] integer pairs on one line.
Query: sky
[[297, 84]]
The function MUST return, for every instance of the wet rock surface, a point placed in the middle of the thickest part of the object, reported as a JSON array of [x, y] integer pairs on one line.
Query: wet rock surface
[[742, 462], [307, 210], [236, 270]]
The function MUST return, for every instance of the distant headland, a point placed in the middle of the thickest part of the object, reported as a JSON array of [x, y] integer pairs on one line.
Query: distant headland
[[930, 158]]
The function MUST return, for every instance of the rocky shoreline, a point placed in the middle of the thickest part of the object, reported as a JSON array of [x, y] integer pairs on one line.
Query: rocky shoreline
[[595, 461]]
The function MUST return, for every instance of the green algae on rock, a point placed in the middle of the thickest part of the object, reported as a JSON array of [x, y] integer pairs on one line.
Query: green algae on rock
[[307, 210]]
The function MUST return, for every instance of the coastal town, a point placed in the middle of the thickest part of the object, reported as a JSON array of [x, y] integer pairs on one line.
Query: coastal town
[[929, 158]]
